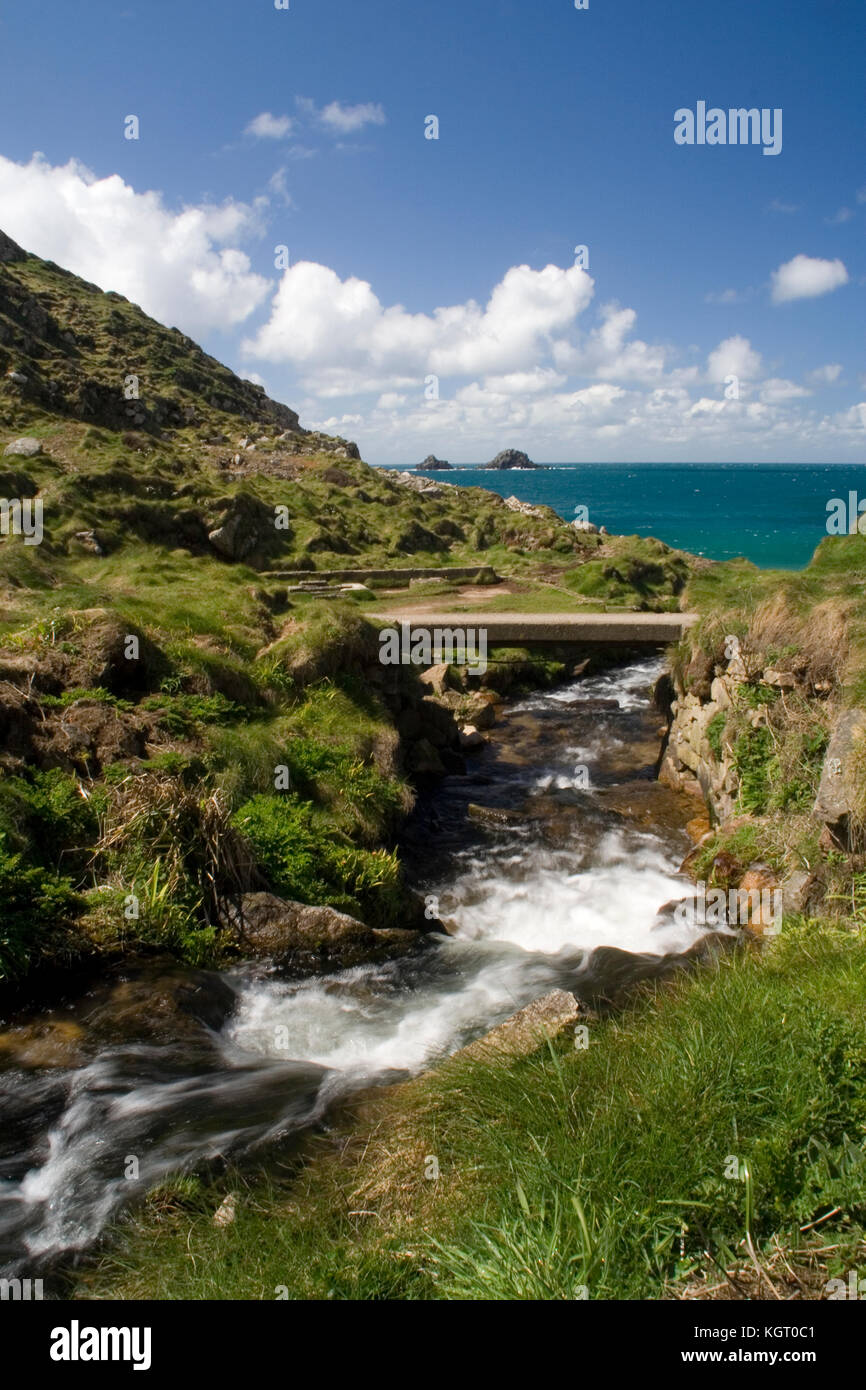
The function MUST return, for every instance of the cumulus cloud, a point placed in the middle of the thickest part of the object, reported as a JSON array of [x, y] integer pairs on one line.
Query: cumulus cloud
[[176, 265], [733, 357], [827, 375], [268, 127], [776, 390], [340, 119], [806, 277], [319, 320]]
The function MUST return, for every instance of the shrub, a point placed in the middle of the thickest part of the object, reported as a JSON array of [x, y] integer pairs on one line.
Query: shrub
[[299, 853], [753, 752], [715, 730], [35, 902]]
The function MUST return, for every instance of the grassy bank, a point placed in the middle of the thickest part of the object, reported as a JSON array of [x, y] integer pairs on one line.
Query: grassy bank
[[607, 1167]]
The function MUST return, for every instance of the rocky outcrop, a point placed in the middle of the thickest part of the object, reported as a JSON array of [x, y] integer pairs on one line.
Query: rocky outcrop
[[10, 250], [836, 802], [514, 504], [302, 938], [729, 719], [432, 463], [246, 529], [689, 762], [511, 458]]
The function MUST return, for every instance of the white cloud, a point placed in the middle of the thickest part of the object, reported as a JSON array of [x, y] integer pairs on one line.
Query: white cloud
[[806, 277], [340, 119], [176, 265], [733, 357], [609, 352], [526, 383], [320, 321], [724, 297], [827, 375], [853, 419], [268, 127], [839, 218], [518, 368], [776, 390], [778, 205]]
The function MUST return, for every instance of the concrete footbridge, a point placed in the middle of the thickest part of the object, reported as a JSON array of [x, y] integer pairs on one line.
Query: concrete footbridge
[[520, 629]]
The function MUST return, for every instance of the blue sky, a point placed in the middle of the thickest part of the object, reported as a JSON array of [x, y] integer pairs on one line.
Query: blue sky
[[454, 258]]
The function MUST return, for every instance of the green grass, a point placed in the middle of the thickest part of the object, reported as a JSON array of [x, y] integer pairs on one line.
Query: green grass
[[604, 1167]]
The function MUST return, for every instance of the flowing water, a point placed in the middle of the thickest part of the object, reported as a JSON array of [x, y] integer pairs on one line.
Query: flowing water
[[549, 862]]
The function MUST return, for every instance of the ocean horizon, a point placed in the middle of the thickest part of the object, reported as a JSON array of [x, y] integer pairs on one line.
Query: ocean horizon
[[775, 515]]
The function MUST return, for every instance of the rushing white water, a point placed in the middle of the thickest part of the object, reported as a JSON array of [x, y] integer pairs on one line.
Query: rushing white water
[[526, 916], [528, 907]]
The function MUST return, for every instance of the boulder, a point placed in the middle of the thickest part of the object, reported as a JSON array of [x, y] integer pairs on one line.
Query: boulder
[[437, 723], [587, 526], [88, 542], [305, 938], [26, 448], [526, 1030], [159, 1003], [698, 827], [797, 890], [292, 933], [762, 882], [834, 804], [436, 677], [45, 1043], [782, 680], [478, 707], [493, 817], [470, 738], [424, 760]]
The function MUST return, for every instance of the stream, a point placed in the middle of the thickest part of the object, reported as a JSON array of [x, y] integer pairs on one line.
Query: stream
[[548, 861]]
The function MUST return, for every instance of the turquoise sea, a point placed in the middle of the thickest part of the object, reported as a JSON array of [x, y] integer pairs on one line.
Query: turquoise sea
[[774, 514]]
